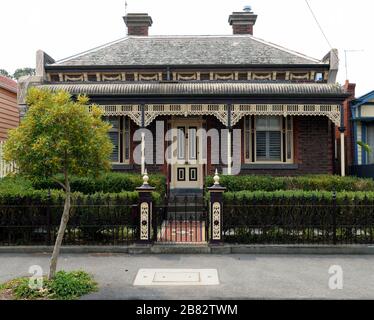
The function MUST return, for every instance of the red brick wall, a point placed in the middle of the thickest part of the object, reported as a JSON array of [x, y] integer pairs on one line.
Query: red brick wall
[[138, 30], [242, 29], [313, 148]]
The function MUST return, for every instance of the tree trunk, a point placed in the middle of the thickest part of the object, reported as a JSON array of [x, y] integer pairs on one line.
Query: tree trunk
[[61, 231]]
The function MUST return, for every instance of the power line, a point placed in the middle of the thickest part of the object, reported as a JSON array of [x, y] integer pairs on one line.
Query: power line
[[320, 27]]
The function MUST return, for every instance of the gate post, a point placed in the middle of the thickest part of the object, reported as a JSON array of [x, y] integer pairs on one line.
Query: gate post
[[216, 210], [145, 210]]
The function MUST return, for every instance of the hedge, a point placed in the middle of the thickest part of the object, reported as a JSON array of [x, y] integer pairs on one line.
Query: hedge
[[107, 183], [296, 196], [288, 217], [307, 183]]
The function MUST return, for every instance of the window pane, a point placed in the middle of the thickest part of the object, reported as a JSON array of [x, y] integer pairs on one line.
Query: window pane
[[180, 142], [261, 123], [126, 138], [274, 123], [274, 146], [261, 145], [370, 142], [115, 141], [289, 145], [192, 142], [247, 144]]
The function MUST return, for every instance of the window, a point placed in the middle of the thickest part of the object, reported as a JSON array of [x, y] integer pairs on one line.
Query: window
[[268, 139], [120, 137], [370, 142]]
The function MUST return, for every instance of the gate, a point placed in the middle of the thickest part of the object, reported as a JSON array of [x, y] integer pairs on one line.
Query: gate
[[183, 219]]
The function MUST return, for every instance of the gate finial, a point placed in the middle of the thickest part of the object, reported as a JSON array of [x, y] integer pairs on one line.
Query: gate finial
[[145, 177], [216, 178]]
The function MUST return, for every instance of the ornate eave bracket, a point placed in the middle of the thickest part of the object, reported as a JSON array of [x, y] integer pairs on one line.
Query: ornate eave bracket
[[220, 111]]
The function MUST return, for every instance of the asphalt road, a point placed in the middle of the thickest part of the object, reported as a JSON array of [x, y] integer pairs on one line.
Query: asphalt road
[[241, 276]]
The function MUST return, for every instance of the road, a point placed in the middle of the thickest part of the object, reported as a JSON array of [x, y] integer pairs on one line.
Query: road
[[241, 276]]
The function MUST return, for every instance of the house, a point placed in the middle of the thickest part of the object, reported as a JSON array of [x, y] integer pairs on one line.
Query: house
[[264, 109], [9, 113], [362, 118]]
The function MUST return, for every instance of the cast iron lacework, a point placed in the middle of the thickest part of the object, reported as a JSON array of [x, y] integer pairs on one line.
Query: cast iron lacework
[[144, 215], [152, 111], [216, 218]]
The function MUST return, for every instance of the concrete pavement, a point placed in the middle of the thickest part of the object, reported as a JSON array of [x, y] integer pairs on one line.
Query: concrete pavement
[[242, 276]]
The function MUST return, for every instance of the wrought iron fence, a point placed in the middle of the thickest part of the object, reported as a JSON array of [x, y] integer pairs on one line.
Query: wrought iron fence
[[181, 220], [99, 221], [301, 221]]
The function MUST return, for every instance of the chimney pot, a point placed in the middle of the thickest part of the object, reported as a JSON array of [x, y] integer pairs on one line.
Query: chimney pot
[[243, 22], [137, 24]]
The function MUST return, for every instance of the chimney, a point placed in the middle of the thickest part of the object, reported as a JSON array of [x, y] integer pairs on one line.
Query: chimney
[[138, 24], [243, 22]]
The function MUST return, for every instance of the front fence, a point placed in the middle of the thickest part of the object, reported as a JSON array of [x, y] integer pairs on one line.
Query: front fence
[[116, 221], [92, 222], [181, 222], [299, 221]]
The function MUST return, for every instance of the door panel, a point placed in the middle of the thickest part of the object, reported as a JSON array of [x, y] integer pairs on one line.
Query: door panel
[[186, 169]]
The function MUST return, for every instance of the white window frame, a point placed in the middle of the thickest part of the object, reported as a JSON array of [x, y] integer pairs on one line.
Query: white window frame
[[288, 129], [126, 129]]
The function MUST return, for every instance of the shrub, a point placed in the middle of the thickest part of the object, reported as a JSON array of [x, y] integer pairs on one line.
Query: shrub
[[71, 285], [65, 286], [107, 183], [307, 183]]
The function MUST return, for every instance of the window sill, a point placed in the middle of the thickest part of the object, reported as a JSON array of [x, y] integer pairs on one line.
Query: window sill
[[270, 166]]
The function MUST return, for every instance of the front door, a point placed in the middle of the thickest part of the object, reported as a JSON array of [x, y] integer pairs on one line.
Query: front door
[[186, 168]]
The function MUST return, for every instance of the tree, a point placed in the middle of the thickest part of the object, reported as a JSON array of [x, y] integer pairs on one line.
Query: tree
[[365, 146], [59, 136], [20, 72], [5, 73]]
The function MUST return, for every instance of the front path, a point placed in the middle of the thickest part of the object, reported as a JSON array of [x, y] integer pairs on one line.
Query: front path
[[241, 276]]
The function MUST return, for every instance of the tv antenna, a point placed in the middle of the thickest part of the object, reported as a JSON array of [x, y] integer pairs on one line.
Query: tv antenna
[[346, 60], [126, 7]]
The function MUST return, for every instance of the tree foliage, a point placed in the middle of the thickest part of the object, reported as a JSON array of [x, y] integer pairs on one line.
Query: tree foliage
[[59, 135], [5, 73], [20, 72]]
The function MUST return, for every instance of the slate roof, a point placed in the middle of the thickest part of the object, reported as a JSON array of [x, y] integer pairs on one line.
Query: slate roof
[[187, 50], [199, 88]]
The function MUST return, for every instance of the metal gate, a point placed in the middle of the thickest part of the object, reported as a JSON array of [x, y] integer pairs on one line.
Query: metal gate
[[183, 219]]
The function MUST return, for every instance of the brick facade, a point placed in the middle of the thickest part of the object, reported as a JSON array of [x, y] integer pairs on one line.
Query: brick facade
[[313, 149]]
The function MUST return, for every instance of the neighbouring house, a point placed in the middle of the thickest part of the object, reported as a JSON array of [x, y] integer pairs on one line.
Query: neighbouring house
[[9, 113], [362, 118], [276, 109], [350, 88]]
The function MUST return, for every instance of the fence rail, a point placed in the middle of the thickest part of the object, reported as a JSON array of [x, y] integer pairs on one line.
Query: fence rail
[[313, 223], [90, 223], [5, 167]]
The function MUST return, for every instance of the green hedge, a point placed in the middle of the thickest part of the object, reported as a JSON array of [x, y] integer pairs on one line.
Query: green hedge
[[15, 190], [107, 183], [307, 183], [296, 196]]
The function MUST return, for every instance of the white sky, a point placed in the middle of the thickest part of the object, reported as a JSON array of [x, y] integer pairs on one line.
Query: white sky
[[64, 28]]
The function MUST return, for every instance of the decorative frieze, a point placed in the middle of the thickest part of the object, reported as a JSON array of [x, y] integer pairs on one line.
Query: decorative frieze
[[188, 76], [220, 111]]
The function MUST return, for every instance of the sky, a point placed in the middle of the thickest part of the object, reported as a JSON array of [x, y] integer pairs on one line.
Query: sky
[[64, 28]]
